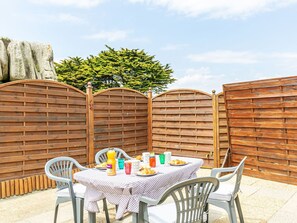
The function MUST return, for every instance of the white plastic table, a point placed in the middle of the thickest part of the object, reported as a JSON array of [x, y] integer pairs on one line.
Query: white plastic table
[[125, 190]]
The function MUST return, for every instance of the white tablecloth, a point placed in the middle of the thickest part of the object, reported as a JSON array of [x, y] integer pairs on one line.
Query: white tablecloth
[[124, 190]]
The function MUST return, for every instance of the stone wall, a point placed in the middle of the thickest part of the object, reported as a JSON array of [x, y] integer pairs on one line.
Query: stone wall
[[21, 60]]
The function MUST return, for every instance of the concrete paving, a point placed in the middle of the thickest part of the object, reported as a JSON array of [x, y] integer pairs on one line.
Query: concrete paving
[[261, 201]]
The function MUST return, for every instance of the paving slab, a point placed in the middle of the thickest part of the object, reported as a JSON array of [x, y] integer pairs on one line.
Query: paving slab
[[261, 200]]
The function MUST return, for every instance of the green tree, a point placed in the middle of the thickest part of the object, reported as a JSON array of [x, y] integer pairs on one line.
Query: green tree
[[130, 68]]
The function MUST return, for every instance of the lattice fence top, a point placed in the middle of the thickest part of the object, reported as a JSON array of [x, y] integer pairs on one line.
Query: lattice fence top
[[262, 118], [121, 120], [182, 122], [40, 120]]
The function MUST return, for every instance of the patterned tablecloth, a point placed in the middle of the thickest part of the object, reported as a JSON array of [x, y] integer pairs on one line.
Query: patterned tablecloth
[[124, 190]]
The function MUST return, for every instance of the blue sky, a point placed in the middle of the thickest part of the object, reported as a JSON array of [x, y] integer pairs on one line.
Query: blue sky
[[207, 43]]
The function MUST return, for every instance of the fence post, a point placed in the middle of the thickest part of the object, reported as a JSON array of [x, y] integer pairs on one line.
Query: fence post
[[150, 120], [90, 123], [215, 113]]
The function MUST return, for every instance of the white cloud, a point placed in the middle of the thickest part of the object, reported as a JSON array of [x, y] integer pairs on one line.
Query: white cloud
[[225, 56], [110, 36], [242, 57], [218, 8], [172, 47], [199, 79], [284, 55], [64, 17], [74, 3]]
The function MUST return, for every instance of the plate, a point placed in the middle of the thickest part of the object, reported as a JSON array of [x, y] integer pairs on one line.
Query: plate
[[182, 164], [100, 168], [145, 175]]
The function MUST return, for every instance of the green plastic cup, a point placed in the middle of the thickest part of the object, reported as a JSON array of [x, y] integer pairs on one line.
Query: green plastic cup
[[162, 158], [121, 163]]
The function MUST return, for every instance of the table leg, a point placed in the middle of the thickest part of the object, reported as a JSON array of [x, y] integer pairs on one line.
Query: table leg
[[92, 217]]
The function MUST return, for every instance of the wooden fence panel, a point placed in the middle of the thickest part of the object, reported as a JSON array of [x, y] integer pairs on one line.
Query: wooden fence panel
[[40, 120], [121, 120], [182, 122], [263, 125]]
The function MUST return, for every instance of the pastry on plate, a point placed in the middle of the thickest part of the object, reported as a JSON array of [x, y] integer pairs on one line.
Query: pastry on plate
[[177, 162], [146, 171], [101, 165]]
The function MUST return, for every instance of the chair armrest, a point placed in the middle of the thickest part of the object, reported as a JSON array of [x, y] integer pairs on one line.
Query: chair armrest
[[82, 167], [216, 171], [60, 179], [149, 201]]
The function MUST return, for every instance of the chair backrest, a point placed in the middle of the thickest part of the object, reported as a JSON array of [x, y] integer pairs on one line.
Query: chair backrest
[[60, 170], [101, 156], [239, 171], [190, 198]]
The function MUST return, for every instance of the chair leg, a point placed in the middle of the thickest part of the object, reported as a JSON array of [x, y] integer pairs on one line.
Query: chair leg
[[232, 212], [142, 216], [239, 210], [106, 210], [74, 210], [56, 212], [80, 210]]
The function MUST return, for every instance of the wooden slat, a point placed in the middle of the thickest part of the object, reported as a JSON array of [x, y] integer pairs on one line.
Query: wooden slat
[[40, 91], [190, 97], [184, 119], [183, 126], [140, 100], [7, 149], [42, 109], [38, 100], [268, 124], [41, 137], [141, 107], [118, 115], [40, 119], [40, 128]]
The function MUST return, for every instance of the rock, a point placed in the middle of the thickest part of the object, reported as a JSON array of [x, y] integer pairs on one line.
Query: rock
[[30, 61], [3, 62], [21, 63], [43, 57]]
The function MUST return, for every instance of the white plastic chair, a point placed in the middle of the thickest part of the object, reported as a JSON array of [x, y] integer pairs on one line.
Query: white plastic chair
[[60, 170], [189, 197], [227, 195], [101, 156]]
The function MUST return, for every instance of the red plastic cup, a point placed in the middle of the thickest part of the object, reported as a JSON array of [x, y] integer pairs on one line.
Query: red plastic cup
[[128, 166]]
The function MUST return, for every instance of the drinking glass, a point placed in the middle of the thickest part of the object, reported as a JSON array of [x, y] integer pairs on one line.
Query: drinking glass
[[135, 165], [167, 158], [121, 162], [128, 167], [146, 158], [152, 161], [162, 158]]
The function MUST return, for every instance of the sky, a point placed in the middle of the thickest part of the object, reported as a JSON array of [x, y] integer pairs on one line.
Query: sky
[[206, 43]]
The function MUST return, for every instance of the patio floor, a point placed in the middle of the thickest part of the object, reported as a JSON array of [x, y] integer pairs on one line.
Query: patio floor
[[261, 201]]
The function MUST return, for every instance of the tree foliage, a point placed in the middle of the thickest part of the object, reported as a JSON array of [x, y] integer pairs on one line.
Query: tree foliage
[[130, 68]]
